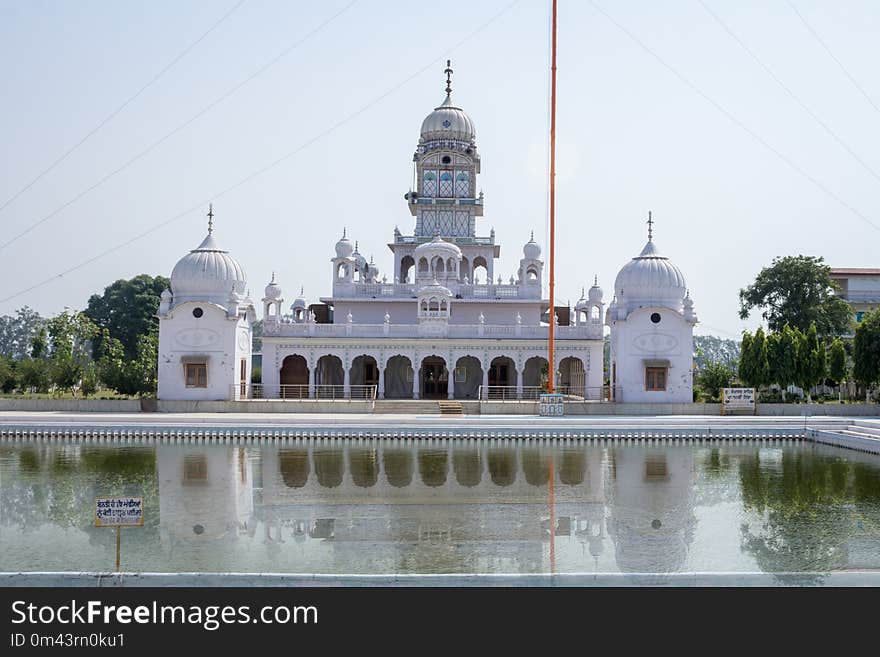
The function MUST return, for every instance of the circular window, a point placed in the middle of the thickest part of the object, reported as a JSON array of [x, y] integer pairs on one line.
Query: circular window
[[446, 159], [656, 524], [198, 529], [655, 317], [447, 123], [198, 312]]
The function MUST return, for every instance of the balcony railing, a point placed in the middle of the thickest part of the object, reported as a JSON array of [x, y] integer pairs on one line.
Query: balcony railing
[[317, 392], [572, 393], [410, 290], [591, 331]]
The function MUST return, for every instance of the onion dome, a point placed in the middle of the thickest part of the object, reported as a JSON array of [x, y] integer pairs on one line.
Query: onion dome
[[372, 269], [448, 121], [650, 279], [532, 250], [207, 273], [595, 293], [582, 303], [273, 290], [344, 247], [437, 247], [435, 290], [300, 301]]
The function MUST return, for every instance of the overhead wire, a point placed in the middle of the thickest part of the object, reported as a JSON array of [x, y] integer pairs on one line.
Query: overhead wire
[[763, 142], [271, 165], [119, 109], [224, 96]]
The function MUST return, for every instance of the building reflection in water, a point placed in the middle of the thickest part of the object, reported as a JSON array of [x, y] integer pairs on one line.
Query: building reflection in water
[[459, 507]]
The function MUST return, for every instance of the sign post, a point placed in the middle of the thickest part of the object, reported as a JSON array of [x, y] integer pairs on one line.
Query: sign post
[[734, 399], [119, 512]]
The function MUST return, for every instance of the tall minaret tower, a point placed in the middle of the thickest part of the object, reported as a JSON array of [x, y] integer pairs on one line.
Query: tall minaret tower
[[446, 201]]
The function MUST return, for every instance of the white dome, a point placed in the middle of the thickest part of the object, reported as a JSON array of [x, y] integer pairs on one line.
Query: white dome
[[595, 294], [273, 290], [344, 247], [435, 290], [437, 247], [532, 250], [448, 122], [207, 273], [650, 278]]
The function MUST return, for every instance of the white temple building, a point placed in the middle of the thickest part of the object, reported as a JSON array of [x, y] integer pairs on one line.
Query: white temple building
[[441, 327]]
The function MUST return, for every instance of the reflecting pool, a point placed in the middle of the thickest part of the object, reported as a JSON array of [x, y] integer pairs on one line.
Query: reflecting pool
[[453, 507]]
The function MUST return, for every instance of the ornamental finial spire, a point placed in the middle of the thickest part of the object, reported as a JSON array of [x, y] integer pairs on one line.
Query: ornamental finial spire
[[596, 280], [210, 218], [650, 227], [448, 72]]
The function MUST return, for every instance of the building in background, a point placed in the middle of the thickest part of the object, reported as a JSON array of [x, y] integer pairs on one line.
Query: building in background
[[860, 287]]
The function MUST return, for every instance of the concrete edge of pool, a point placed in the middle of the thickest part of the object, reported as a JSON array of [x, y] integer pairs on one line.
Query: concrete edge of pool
[[689, 579]]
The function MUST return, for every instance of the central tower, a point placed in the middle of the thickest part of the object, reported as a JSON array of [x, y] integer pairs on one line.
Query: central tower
[[445, 201]]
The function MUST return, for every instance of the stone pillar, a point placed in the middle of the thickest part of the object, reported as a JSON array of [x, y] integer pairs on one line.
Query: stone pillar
[[519, 382], [485, 381], [450, 383], [346, 381], [415, 388], [380, 390], [312, 381]]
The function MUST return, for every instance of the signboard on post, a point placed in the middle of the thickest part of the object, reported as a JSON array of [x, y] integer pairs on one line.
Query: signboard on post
[[119, 512], [739, 399], [551, 405]]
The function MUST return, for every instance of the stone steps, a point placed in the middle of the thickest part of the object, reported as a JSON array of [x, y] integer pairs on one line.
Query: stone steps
[[406, 406], [450, 407]]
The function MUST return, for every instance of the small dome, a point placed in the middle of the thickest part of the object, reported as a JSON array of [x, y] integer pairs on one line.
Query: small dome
[[448, 122], [205, 272], [532, 250], [582, 302], [273, 290], [300, 301], [437, 247], [435, 290], [344, 247], [595, 293], [650, 278]]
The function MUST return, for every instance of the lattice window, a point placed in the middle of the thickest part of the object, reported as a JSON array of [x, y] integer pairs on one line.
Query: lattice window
[[462, 223], [429, 184], [445, 184], [463, 184], [445, 221], [429, 222]]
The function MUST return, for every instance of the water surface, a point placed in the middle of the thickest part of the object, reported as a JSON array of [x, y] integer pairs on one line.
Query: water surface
[[463, 507]]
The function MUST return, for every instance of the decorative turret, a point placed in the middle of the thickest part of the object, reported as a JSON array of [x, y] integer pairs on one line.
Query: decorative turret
[[531, 267]]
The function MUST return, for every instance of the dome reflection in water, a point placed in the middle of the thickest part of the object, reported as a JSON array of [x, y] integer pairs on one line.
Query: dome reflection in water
[[444, 506]]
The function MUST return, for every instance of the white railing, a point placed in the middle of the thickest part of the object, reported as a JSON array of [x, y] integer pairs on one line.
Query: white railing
[[500, 331], [304, 392], [572, 393]]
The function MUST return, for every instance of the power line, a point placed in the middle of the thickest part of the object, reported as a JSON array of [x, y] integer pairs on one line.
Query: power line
[[183, 125], [788, 90], [735, 120], [274, 163], [831, 54], [125, 104]]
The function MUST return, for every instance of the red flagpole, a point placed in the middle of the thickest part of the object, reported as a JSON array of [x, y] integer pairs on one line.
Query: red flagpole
[[551, 384]]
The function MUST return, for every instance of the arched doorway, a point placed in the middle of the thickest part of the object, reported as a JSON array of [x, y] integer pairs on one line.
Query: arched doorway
[[502, 378], [480, 270], [406, 265], [364, 373], [572, 377], [294, 378], [434, 378], [468, 377], [398, 378], [534, 377], [329, 377]]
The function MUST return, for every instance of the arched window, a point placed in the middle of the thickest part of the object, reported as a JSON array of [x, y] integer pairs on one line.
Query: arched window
[[450, 265], [465, 269], [433, 304], [424, 306], [438, 266], [299, 314], [531, 274], [594, 312], [462, 184], [429, 183], [445, 184], [443, 306], [406, 263], [481, 270], [342, 271], [423, 265]]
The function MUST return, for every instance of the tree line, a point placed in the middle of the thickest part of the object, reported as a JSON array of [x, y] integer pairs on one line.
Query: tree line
[[111, 344]]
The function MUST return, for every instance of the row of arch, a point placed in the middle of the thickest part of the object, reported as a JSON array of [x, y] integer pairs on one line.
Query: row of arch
[[434, 467], [444, 269], [396, 378]]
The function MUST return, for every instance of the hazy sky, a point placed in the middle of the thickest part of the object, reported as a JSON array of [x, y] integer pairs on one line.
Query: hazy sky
[[632, 136]]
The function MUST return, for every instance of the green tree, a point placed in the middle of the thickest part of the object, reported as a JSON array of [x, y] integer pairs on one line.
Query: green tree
[[40, 344], [782, 358], [712, 349], [797, 290], [129, 376], [33, 374], [866, 351], [70, 334], [757, 361], [17, 333], [713, 377], [8, 375], [746, 368], [811, 360], [837, 370], [127, 309]]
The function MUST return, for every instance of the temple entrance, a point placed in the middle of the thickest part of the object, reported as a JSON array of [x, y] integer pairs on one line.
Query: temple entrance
[[294, 378], [364, 373], [435, 378], [502, 379]]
